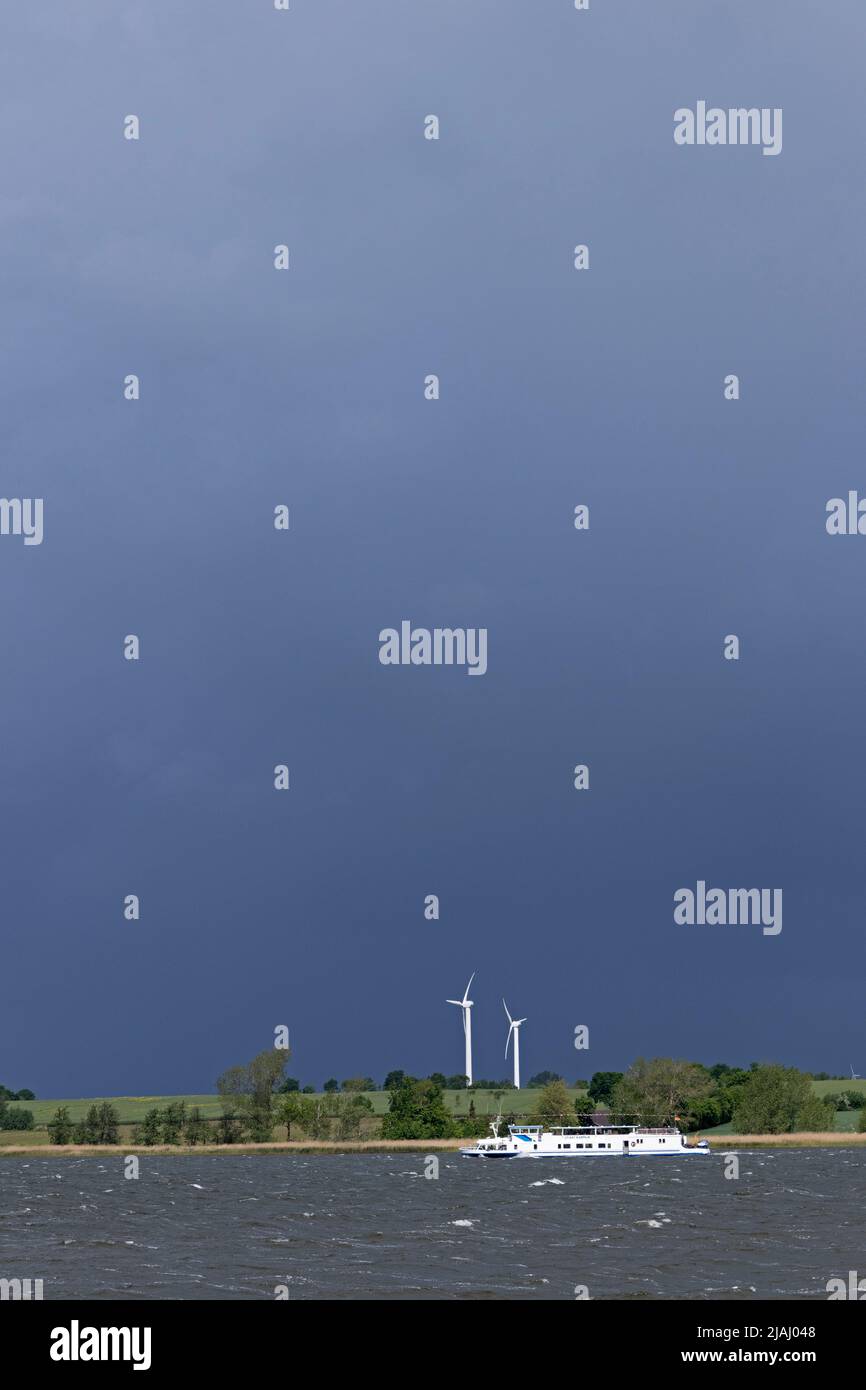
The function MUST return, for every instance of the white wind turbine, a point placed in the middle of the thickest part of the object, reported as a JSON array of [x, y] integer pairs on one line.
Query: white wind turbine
[[854, 1076], [466, 1005], [514, 1027]]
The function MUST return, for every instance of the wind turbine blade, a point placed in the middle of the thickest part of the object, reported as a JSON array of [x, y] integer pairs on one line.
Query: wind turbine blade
[[508, 1039], [507, 1014], [469, 986], [458, 1002]]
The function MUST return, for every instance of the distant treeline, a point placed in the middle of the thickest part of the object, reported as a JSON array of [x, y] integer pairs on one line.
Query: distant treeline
[[458, 1082], [257, 1098]]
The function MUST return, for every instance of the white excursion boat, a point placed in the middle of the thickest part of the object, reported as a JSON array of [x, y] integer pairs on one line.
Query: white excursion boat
[[585, 1141]]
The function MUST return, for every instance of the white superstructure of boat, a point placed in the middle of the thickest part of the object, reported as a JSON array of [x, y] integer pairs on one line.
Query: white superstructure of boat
[[585, 1141]]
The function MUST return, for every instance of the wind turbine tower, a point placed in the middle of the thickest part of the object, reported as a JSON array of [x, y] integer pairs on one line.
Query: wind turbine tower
[[514, 1027], [466, 1005]]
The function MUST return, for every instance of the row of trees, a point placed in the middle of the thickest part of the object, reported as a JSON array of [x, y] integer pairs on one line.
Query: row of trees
[[455, 1082], [6, 1094], [257, 1097], [768, 1099], [99, 1126], [174, 1124], [329, 1116]]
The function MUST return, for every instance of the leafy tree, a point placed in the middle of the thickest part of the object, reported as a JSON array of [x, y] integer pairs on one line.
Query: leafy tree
[[107, 1124], [439, 1079], [149, 1132], [308, 1090], [861, 1121], [544, 1078], [289, 1111], [60, 1127], [195, 1129], [603, 1085], [90, 1126], [457, 1082], [260, 1126], [392, 1079], [473, 1126], [352, 1112], [291, 1083], [417, 1111], [554, 1104], [315, 1120], [25, 1095], [173, 1122], [229, 1129], [584, 1107], [772, 1100], [331, 1085], [661, 1089], [247, 1094], [707, 1113], [359, 1083]]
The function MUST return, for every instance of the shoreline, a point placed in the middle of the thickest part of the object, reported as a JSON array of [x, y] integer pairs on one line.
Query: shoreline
[[718, 1143]]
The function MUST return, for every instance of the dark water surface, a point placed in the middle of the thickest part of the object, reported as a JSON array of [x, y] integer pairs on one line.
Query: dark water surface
[[372, 1226]]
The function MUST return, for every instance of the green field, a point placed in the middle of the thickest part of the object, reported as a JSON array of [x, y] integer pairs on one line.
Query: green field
[[132, 1109]]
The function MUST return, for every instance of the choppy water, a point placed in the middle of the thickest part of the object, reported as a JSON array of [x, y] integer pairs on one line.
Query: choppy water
[[372, 1226]]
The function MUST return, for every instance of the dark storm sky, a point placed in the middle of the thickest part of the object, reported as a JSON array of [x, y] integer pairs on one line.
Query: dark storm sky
[[411, 257]]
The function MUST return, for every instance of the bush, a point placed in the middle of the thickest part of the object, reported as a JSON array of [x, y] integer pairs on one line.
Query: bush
[[14, 1119], [417, 1111], [816, 1115], [18, 1119]]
